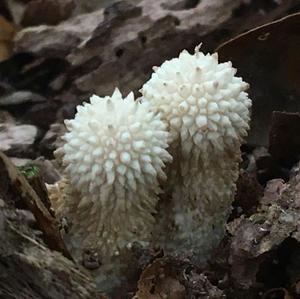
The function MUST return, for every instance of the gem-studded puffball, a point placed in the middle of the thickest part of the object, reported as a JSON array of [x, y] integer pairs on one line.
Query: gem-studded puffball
[[206, 108], [114, 155], [200, 98]]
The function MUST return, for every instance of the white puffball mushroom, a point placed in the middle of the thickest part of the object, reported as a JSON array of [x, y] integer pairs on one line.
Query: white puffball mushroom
[[206, 108], [114, 155]]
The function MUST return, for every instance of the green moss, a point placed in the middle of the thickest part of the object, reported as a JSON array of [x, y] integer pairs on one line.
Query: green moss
[[29, 171]]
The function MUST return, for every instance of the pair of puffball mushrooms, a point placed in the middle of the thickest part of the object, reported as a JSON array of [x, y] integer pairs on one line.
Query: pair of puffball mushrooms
[[181, 138]]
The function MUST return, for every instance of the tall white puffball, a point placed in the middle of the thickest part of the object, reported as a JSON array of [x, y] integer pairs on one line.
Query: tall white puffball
[[206, 109], [114, 155]]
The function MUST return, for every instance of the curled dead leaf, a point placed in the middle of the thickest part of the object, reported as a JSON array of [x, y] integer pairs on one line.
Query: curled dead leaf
[[268, 58]]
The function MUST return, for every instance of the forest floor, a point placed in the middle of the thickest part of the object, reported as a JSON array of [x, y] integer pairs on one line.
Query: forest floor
[[54, 54]]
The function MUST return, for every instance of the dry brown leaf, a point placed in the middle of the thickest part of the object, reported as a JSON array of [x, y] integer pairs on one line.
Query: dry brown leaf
[[256, 239], [248, 193], [268, 58], [7, 33], [158, 281], [172, 278]]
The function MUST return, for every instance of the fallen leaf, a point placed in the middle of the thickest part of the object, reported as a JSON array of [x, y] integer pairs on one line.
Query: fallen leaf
[[256, 239], [268, 58], [158, 281], [174, 279], [7, 33]]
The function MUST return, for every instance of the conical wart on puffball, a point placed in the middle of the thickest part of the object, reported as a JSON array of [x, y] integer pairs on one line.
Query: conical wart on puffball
[[114, 155], [206, 108]]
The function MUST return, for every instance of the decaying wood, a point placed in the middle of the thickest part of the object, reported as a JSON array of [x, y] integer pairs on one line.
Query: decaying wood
[[15, 184], [28, 268]]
